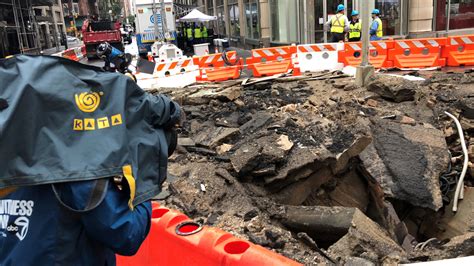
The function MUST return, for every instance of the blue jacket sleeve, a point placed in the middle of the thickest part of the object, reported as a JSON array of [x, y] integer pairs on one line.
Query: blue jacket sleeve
[[374, 27], [111, 223], [117, 227]]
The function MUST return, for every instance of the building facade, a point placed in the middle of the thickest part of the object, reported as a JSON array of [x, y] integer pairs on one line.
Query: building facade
[[255, 23], [51, 26]]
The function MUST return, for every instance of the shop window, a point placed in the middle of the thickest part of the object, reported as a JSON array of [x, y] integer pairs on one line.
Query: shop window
[[234, 20], [283, 15], [252, 20], [390, 16], [221, 20], [461, 14]]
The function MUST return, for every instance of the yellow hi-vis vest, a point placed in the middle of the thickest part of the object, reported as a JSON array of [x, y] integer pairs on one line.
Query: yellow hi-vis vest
[[379, 32], [189, 33], [354, 30], [197, 33], [337, 23], [204, 32]]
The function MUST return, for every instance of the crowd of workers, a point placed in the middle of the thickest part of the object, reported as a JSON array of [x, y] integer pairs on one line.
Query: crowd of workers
[[192, 33], [344, 30]]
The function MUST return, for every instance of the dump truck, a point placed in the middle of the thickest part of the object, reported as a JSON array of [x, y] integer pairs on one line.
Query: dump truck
[[97, 32]]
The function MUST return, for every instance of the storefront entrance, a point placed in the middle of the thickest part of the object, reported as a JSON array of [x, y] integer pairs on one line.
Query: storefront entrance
[[323, 10]]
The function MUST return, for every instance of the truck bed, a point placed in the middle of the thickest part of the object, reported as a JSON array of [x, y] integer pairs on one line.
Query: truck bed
[[91, 37]]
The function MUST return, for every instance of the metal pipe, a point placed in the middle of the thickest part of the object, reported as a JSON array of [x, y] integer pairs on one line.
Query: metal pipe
[[448, 18], [365, 33], [325, 15], [459, 193]]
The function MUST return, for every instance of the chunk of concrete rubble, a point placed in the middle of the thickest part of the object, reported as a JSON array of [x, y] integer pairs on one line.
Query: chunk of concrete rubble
[[352, 233], [258, 120], [394, 88], [204, 96], [407, 161], [354, 149], [224, 148], [258, 154], [186, 142], [299, 165], [298, 192], [212, 137]]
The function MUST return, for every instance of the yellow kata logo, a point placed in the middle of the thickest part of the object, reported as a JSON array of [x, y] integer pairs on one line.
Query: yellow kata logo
[[87, 101]]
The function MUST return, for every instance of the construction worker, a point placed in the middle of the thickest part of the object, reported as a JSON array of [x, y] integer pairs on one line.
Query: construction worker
[[189, 36], [197, 34], [354, 27], [376, 32], [205, 35], [338, 25]]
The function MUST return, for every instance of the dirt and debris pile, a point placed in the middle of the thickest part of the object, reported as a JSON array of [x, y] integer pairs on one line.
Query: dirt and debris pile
[[323, 171]]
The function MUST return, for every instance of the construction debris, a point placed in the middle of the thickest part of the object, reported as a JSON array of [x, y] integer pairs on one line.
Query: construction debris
[[325, 172]]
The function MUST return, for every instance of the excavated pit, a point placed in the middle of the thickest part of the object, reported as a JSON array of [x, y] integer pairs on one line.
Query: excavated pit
[[322, 171]]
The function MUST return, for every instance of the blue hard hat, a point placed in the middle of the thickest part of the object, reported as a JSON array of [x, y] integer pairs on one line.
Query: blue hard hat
[[340, 8], [376, 12], [355, 13]]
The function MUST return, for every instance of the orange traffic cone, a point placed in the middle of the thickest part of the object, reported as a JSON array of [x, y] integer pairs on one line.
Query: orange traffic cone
[[296, 66]]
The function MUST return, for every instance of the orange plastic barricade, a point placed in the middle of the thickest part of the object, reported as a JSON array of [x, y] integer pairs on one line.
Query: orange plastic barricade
[[176, 240], [70, 54], [270, 68], [415, 53], [263, 55], [459, 51], [378, 54], [174, 67], [214, 60], [219, 74]]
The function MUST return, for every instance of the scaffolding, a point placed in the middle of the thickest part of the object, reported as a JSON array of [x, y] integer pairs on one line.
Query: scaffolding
[[25, 27]]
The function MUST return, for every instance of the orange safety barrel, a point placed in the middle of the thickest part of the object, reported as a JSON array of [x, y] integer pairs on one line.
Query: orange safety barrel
[[214, 60], [416, 53], [176, 240], [459, 51], [378, 54]]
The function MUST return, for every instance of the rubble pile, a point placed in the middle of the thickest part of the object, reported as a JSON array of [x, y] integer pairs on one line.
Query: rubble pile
[[323, 171]]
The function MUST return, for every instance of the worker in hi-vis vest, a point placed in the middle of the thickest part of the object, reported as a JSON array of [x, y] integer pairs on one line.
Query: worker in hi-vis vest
[[376, 32], [338, 25], [355, 27], [197, 34]]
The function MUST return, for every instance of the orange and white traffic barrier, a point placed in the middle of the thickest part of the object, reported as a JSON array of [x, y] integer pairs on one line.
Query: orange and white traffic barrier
[[418, 53], [319, 57], [174, 67], [351, 55], [214, 60], [263, 55], [75, 54], [459, 51]]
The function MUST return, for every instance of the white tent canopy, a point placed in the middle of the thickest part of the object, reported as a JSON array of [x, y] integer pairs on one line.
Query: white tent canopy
[[197, 16]]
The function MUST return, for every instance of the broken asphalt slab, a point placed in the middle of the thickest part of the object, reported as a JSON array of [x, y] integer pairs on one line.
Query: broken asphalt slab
[[407, 161]]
